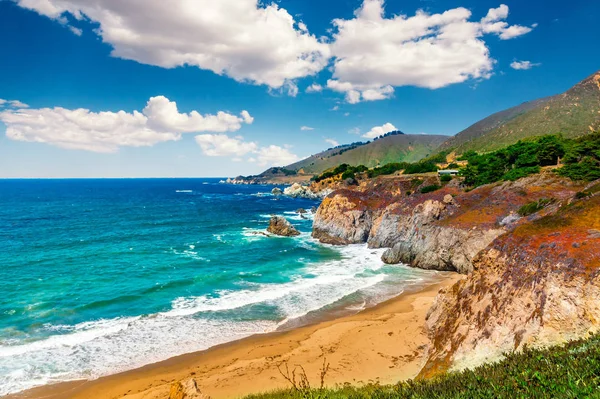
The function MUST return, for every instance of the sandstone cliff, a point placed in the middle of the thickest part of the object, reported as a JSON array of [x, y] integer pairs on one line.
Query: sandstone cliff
[[442, 230]]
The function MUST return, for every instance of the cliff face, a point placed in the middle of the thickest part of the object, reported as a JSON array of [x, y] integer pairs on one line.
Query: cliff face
[[536, 285], [442, 230], [531, 280]]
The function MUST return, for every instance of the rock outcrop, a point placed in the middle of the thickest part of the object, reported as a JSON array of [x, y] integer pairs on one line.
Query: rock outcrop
[[279, 225], [537, 285], [443, 230], [297, 190], [186, 390]]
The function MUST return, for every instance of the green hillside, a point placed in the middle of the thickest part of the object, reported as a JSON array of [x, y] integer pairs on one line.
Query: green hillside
[[573, 113], [394, 148]]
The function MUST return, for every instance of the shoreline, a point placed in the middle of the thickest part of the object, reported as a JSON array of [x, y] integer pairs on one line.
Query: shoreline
[[384, 343]]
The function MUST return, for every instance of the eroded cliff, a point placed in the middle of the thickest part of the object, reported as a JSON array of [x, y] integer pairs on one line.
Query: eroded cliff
[[442, 230], [536, 285]]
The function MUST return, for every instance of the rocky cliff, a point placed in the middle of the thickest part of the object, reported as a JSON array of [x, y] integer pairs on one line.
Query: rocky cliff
[[442, 230], [536, 285], [532, 277]]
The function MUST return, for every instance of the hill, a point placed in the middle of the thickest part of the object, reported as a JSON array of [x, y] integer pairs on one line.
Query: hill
[[573, 113], [393, 148]]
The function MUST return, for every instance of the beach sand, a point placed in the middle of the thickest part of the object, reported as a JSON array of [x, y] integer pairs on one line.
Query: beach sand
[[382, 344]]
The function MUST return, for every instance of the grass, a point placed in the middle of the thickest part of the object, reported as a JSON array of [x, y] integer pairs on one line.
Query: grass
[[535, 206], [569, 371]]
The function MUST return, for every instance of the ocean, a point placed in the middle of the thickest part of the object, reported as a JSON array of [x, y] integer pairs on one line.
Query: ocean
[[99, 276]]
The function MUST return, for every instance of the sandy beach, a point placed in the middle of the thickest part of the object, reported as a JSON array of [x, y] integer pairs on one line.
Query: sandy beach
[[382, 344]]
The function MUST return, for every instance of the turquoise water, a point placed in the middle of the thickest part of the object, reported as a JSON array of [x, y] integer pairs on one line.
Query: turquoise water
[[102, 276]]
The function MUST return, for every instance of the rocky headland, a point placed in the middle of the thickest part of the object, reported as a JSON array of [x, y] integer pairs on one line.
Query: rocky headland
[[531, 278]]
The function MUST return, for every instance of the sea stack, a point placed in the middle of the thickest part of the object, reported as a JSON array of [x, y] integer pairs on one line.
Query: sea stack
[[281, 227]]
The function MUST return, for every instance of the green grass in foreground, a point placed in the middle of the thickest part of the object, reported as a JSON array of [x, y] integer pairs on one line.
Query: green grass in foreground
[[570, 371]]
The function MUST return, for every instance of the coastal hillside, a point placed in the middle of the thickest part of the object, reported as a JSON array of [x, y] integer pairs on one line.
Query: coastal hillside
[[525, 235], [573, 113], [393, 148]]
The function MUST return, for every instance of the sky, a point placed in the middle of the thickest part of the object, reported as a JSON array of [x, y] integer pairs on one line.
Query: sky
[[205, 88]]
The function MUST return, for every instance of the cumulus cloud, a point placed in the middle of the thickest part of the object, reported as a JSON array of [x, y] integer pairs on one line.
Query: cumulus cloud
[[274, 155], [307, 128], [163, 115], [106, 132], [237, 38], [373, 54], [332, 142], [379, 130], [314, 88], [354, 130], [523, 65], [220, 145]]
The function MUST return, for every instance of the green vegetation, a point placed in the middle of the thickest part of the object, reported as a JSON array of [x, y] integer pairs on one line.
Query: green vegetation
[[347, 172], [408, 168], [569, 371], [535, 206], [581, 159], [430, 189], [445, 178]]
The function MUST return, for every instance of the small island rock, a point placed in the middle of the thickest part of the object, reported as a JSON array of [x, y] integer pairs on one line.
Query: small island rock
[[281, 227]]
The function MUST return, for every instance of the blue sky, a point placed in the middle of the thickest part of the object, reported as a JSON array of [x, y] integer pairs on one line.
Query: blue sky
[[181, 65]]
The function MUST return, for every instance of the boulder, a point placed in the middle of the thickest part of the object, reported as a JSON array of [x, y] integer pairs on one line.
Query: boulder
[[186, 390], [276, 191], [301, 211], [281, 227]]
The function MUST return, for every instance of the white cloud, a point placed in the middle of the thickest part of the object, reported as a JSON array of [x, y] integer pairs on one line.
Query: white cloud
[[523, 65], [163, 115], [314, 88], [307, 128], [332, 142], [83, 129], [220, 145], [75, 30], [354, 130], [12, 104], [379, 130], [238, 38], [374, 54], [335, 108], [274, 155]]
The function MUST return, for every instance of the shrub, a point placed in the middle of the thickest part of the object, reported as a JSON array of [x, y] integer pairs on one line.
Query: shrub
[[583, 194], [445, 178], [429, 189], [535, 206], [581, 158]]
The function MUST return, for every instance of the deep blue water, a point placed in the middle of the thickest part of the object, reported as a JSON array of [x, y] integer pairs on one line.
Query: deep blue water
[[101, 276]]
